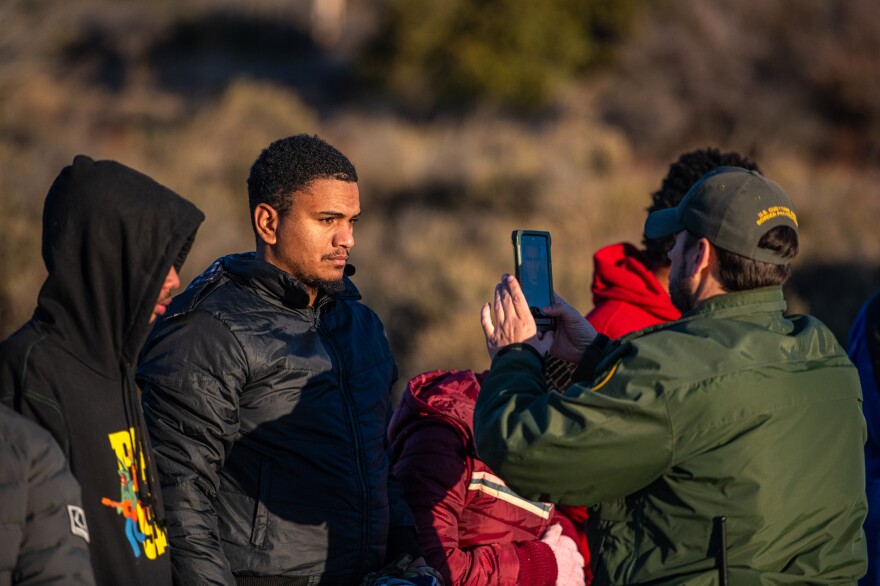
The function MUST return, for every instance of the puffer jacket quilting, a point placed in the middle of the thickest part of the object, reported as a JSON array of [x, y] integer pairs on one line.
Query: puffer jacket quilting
[[43, 535], [273, 414]]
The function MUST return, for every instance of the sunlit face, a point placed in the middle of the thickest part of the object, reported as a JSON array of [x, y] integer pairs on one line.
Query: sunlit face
[[682, 285], [172, 282], [313, 239]]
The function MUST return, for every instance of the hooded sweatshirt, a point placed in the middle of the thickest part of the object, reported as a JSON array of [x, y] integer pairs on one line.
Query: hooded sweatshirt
[[626, 294], [110, 237]]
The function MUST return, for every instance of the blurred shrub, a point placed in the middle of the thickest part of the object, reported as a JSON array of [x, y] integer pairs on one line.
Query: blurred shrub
[[506, 52], [19, 245], [441, 196], [801, 74]]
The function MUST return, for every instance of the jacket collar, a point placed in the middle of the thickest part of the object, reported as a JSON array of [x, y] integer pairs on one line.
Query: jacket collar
[[246, 267], [763, 300], [768, 301]]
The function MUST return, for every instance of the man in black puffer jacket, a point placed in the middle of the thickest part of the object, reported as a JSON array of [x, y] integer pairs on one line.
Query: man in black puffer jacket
[[267, 395]]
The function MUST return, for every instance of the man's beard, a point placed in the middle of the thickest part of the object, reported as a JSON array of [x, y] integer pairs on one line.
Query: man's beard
[[329, 287], [679, 291], [325, 286]]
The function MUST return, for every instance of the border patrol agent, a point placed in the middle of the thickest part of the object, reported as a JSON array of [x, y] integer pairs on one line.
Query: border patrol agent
[[724, 447]]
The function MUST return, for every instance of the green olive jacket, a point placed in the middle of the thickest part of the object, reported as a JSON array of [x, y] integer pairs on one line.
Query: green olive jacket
[[733, 411]]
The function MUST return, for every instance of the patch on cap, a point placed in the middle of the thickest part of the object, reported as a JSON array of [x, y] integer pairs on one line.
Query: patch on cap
[[775, 212]]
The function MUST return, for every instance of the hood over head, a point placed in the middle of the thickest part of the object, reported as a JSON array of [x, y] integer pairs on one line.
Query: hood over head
[[110, 236], [439, 395], [620, 273]]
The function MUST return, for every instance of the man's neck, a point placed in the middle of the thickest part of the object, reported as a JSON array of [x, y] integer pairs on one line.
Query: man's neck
[[661, 273], [707, 289]]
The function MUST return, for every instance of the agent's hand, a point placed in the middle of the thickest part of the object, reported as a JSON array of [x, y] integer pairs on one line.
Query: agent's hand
[[514, 322], [573, 333], [569, 561]]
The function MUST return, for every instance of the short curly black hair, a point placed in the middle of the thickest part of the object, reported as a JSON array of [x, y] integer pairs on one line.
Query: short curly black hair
[[681, 176], [290, 164]]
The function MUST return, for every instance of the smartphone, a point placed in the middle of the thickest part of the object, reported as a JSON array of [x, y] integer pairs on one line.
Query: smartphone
[[531, 252]]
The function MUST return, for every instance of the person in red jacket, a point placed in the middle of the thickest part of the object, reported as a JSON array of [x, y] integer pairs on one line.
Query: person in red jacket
[[473, 529]]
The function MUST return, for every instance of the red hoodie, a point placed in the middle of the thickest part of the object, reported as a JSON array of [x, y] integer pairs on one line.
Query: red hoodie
[[473, 528], [626, 294]]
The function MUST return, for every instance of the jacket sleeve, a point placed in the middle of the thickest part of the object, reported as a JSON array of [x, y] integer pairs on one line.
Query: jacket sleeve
[[402, 527], [584, 446], [864, 341], [192, 372], [402, 533], [39, 400], [434, 471], [53, 550]]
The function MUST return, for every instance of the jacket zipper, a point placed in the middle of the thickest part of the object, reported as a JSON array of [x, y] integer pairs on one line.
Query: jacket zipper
[[364, 536], [637, 541]]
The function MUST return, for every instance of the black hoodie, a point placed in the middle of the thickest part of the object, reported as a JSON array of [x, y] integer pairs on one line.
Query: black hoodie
[[110, 236]]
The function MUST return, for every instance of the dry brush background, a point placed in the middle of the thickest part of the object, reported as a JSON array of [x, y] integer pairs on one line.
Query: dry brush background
[[189, 92]]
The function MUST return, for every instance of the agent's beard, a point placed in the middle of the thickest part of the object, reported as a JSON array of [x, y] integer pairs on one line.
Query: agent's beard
[[680, 291]]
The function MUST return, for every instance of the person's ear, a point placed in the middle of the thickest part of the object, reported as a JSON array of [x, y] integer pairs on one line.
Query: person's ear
[[702, 256], [266, 223]]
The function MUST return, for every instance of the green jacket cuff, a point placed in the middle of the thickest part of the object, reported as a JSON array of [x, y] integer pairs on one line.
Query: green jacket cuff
[[586, 369], [519, 347]]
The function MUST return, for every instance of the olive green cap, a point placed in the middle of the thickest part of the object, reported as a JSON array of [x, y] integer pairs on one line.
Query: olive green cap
[[732, 208]]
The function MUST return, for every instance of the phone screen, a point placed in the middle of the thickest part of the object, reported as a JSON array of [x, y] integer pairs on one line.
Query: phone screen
[[532, 250]]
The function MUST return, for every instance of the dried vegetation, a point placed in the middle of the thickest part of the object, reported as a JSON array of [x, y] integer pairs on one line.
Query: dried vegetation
[[189, 92]]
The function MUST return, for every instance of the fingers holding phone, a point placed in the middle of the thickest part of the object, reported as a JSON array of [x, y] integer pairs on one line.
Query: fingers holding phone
[[526, 309], [513, 320], [573, 333]]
